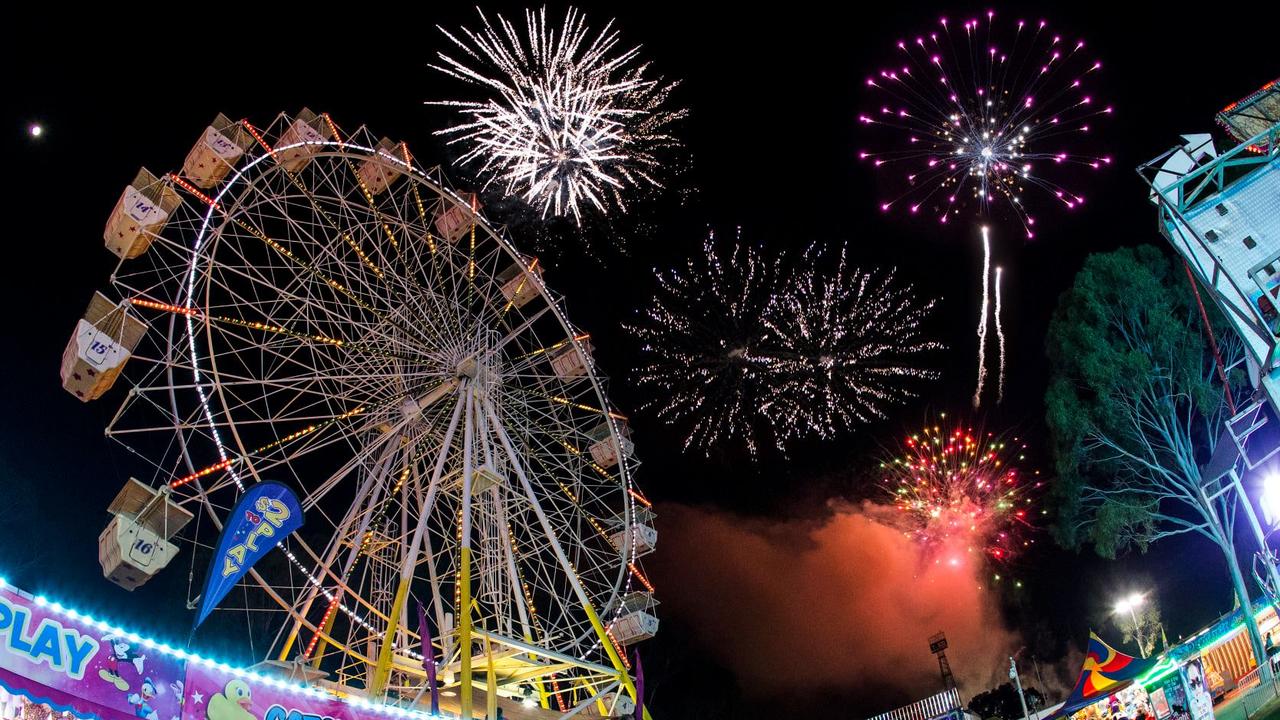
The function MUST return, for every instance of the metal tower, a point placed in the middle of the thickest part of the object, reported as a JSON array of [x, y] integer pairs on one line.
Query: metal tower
[[938, 646]]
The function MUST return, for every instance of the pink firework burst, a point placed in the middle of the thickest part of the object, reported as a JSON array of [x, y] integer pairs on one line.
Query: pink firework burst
[[984, 118], [962, 493]]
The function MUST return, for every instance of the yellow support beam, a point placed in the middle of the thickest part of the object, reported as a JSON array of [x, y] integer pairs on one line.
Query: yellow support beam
[[491, 686], [464, 635], [382, 670], [623, 675]]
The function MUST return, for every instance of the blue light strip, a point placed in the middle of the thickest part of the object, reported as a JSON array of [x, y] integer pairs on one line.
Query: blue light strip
[[190, 657]]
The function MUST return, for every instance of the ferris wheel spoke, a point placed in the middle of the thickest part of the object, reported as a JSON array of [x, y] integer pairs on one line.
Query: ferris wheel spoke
[[551, 537], [307, 266], [352, 242], [303, 282]]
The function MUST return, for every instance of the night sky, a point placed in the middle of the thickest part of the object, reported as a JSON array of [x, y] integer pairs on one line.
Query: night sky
[[773, 138]]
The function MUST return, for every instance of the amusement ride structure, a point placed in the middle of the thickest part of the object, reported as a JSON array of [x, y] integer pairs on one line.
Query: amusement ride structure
[[309, 306]]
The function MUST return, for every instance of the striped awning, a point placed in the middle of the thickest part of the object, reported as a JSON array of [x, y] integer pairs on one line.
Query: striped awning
[[934, 706], [1232, 657]]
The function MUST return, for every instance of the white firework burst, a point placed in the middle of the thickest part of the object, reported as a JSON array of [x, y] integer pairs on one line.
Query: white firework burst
[[569, 120], [740, 348], [702, 343], [844, 344]]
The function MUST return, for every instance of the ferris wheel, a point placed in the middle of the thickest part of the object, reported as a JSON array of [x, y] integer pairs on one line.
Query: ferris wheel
[[308, 306]]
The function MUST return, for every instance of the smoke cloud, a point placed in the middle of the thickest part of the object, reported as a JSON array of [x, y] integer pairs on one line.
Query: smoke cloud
[[843, 601]]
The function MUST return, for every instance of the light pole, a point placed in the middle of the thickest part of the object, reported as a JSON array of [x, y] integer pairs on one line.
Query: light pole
[[1130, 605], [1013, 675]]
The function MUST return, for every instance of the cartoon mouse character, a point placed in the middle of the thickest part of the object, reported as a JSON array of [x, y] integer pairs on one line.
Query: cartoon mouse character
[[141, 700], [120, 650], [177, 687]]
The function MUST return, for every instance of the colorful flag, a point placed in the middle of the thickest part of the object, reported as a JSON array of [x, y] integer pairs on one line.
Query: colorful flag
[[265, 515], [1106, 671], [428, 659], [639, 688]]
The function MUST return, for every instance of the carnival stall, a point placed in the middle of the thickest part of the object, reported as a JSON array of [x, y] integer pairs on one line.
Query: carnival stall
[[57, 663], [1116, 686]]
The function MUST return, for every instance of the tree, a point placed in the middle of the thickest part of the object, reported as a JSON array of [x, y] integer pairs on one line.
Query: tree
[[1002, 703], [1148, 631], [1134, 407]]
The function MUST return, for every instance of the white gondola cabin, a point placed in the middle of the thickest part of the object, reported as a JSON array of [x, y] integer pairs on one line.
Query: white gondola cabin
[[140, 214], [519, 284], [636, 621], [307, 127], [616, 705], [136, 543], [388, 164], [103, 341], [641, 533], [454, 220], [571, 361], [604, 450], [217, 152]]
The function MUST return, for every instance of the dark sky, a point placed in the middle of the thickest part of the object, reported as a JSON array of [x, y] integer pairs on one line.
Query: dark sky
[[772, 132]]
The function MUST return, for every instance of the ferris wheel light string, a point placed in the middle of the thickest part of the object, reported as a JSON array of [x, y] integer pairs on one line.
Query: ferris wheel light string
[[266, 327], [369, 200], [524, 278], [337, 136], [178, 180], [258, 136], [334, 602], [573, 403], [555, 685], [617, 646], [422, 215], [554, 346], [228, 462], [641, 577]]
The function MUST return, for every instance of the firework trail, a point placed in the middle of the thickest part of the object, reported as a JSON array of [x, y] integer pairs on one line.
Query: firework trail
[[986, 311], [739, 347], [982, 119], [569, 119], [960, 492], [1000, 335]]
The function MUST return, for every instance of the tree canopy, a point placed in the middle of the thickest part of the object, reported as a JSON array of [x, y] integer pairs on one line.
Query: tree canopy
[[1002, 702], [1134, 405]]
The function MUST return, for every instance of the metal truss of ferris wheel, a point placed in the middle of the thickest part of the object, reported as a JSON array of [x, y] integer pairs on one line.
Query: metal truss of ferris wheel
[[322, 312]]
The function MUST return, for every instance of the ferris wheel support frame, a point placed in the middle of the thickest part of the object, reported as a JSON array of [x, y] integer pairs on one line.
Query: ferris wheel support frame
[[623, 674], [372, 486], [382, 670], [464, 579]]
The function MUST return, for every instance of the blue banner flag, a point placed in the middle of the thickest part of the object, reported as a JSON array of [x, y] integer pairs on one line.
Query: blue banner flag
[[265, 515]]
